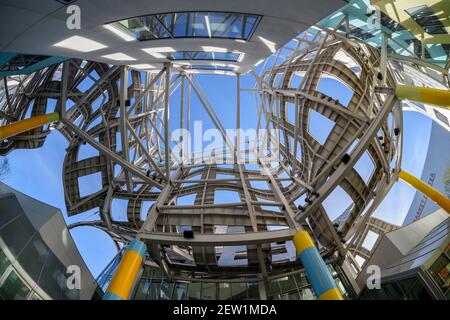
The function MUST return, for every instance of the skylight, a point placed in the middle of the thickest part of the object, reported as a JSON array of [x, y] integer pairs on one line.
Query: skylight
[[199, 24], [158, 52], [141, 66], [201, 55], [119, 56], [80, 44], [212, 68], [120, 32], [427, 19], [214, 49]]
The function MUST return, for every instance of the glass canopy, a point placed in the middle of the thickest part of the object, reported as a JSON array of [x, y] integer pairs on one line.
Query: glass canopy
[[409, 27], [202, 55], [192, 25]]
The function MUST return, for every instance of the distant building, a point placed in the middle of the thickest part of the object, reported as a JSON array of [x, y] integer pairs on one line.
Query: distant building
[[414, 261], [435, 172], [35, 250]]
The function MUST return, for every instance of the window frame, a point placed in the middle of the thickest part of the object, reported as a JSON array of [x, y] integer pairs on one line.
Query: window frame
[[258, 18]]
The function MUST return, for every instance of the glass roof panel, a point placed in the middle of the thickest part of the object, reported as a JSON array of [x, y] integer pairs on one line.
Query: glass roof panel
[[199, 24]]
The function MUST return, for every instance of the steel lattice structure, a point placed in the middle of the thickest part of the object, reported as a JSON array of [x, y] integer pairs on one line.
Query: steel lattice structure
[[129, 126]]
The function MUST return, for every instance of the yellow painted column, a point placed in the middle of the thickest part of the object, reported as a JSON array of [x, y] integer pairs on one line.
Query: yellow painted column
[[18, 127], [425, 95], [441, 200], [122, 282], [316, 270]]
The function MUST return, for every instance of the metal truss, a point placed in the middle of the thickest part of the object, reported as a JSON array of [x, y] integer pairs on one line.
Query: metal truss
[[126, 115]]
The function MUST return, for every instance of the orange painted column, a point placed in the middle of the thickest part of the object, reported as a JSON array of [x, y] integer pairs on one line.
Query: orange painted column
[[122, 281], [441, 200], [18, 127]]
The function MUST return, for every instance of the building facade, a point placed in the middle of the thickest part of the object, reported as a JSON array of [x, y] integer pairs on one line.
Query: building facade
[[154, 285], [436, 172], [36, 251], [414, 261]]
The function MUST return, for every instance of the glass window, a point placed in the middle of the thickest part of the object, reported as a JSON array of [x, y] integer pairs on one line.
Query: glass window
[[253, 291], [53, 278], [405, 289], [202, 55], [166, 290], [191, 25], [157, 273], [153, 290], [440, 272], [294, 296], [17, 234], [239, 290], [22, 61], [9, 206], [33, 257], [301, 279], [224, 291], [213, 68], [307, 294], [414, 289], [441, 116], [208, 291], [425, 17], [13, 288], [180, 291], [142, 290], [287, 284], [341, 286], [390, 24], [274, 288], [194, 291]]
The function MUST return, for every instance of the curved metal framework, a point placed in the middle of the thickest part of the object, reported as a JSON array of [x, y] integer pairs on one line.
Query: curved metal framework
[[126, 115]]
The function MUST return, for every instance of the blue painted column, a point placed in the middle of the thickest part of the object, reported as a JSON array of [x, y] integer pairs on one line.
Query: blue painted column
[[316, 270]]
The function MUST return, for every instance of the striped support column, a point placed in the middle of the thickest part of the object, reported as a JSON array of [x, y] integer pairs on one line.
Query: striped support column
[[18, 127], [316, 270], [122, 282], [426, 95]]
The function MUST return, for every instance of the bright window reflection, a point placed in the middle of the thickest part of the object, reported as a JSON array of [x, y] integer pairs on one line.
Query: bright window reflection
[[192, 25]]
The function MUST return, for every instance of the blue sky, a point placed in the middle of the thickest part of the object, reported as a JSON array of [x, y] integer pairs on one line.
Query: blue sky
[[38, 172]]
